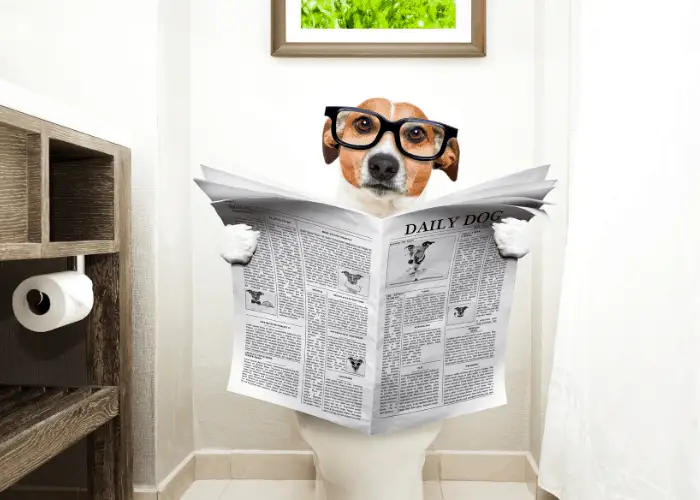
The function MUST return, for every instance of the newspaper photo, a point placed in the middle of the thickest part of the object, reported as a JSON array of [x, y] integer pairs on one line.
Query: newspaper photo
[[373, 324]]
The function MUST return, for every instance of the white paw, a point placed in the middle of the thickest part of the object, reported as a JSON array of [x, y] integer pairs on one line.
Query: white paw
[[512, 237], [239, 244]]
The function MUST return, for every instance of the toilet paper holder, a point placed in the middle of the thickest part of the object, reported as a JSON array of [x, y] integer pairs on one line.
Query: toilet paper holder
[[77, 263]]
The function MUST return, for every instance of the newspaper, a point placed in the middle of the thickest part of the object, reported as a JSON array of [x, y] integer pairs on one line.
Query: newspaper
[[374, 324]]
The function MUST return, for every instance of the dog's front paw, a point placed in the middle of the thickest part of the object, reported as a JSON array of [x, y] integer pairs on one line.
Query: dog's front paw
[[512, 237], [239, 244]]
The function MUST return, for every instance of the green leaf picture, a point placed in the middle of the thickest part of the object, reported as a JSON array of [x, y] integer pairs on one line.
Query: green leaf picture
[[378, 14]]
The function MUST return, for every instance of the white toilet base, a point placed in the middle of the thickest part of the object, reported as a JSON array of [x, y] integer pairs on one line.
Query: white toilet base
[[354, 466]]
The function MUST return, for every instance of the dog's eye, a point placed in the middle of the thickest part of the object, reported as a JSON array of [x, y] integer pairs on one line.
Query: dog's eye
[[363, 125], [416, 134]]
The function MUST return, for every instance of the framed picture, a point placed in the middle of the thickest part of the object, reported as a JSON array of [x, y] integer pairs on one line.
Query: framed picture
[[378, 28]]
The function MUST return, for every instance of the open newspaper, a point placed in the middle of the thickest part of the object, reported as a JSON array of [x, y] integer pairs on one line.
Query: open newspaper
[[374, 324]]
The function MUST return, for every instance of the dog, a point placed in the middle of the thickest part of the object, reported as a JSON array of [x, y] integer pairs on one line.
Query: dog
[[352, 278], [356, 363], [416, 255], [459, 311], [255, 299], [381, 181], [352, 281]]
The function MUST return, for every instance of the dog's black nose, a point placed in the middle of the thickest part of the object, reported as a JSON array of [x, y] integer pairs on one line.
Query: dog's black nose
[[383, 167]]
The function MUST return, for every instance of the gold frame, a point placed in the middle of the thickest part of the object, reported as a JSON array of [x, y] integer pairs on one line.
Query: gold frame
[[282, 48]]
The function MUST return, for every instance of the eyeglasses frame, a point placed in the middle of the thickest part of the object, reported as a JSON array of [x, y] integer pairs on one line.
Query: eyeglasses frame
[[388, 126]]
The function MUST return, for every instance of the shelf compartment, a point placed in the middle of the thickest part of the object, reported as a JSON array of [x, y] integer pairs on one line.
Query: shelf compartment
[[20, 185], [38, 423], [81, 187]]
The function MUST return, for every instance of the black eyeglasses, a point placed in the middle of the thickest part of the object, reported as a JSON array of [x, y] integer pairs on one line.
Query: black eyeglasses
[[356, 128]]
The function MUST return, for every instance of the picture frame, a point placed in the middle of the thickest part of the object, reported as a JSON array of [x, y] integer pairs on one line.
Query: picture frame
[[289, 39]]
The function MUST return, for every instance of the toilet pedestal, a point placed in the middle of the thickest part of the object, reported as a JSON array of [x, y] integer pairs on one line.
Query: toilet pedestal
[[354, 466]]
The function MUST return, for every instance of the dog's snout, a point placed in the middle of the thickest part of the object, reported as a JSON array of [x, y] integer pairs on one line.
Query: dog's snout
[[383, 166]]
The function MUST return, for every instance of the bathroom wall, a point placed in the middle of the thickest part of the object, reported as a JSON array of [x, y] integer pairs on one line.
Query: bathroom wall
[[174, 413], [116, 60], [554, 74], [93, 66], [264, 116]]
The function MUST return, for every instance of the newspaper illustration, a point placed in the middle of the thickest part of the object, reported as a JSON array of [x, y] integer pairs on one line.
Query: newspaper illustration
[[374, 324]]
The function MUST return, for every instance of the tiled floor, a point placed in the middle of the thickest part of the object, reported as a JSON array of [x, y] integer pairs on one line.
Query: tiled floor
[[304, 490]]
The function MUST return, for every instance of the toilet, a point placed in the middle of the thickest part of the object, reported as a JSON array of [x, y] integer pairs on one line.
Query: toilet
[[354, 466]]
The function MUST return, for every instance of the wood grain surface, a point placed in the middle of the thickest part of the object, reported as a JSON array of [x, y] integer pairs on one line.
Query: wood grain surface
[[13, 185], [62, 194], [26, 443]]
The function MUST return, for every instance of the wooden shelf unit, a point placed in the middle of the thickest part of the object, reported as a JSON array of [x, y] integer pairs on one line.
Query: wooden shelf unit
[[38, 423], [63, 194]]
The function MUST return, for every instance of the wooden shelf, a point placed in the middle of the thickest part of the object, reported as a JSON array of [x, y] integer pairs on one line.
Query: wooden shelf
[[38, 423], [65, 193], [20, 251], [27, 251], [20, 185], [60, 190]]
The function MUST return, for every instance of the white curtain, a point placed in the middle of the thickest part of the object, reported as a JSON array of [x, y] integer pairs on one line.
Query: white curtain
[[623, 417]]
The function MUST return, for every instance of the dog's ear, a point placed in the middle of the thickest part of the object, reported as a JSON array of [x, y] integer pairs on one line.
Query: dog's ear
[[426, 244], [449, 161], [330, 147]]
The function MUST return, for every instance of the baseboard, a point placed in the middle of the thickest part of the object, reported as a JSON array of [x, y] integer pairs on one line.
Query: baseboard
[[532, 473], [499, 466], [145, 493], [177, 482]]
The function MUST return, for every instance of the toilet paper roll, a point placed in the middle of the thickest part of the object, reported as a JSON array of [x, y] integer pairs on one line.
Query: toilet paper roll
[[49, 301]]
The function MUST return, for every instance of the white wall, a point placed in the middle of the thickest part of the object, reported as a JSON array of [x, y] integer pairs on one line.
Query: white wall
[[264, 115], [122, 61], [174, 412], [77, 53]]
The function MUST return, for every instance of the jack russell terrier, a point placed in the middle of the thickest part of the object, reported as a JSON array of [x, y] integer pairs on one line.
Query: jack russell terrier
[[255, 299], [351, 281], [416, 256], [382, 147], [459, 311]]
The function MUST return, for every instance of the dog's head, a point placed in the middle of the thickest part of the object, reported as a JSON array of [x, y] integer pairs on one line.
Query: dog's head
[[255, 295], [352, 278], [356, 363], [459, 311], [383, 170], [416, 253]]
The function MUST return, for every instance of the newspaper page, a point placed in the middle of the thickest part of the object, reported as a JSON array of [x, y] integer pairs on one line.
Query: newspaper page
[[305, 308], [374, 324], [444, 307]]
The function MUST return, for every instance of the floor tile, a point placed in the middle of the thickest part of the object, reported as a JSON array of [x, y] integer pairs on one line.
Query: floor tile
[[269, 490], [304, 490], [477, 490], [206, 490]]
